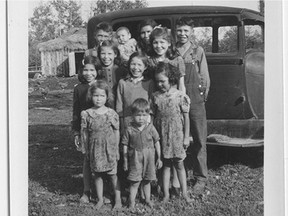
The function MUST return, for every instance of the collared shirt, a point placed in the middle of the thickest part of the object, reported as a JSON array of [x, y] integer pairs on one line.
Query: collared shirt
[[138, 140]]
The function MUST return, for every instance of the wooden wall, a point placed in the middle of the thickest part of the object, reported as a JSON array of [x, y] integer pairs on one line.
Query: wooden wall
[[55, 62]]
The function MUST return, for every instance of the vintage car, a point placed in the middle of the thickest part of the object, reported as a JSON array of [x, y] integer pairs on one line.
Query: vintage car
[[233, 40]]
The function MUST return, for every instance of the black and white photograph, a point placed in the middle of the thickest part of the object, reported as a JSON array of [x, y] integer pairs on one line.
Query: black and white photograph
[[142, 107]]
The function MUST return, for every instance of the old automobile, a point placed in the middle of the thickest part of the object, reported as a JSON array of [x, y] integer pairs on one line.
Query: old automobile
[[233, 40]]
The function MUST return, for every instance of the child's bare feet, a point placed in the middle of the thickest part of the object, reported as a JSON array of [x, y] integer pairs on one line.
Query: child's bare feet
[[165, 199], [132, 205], [117, 205], [187, 199], [84, 198], [99, 204], [149, 203]]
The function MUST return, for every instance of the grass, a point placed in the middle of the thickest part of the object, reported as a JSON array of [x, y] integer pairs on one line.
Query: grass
[[234, 187]]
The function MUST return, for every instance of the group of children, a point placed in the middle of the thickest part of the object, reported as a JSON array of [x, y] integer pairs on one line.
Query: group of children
[[133, 109]]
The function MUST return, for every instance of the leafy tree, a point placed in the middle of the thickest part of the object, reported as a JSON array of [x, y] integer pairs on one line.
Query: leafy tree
[[68, 15], [104, 6], [42, 23], [51, 19]]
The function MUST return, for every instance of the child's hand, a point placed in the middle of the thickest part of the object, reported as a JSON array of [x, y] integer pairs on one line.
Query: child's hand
[[159, 164], [125, 166], [186, 143], [77, 141]]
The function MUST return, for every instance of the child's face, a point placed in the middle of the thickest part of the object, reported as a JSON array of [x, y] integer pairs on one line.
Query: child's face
[[137, 67], [99, 97], [184, 33], [145, 33], [162, 82], [123, 36], [141, 118], [89, 72], [107, 56], [160, 46], [101, 36]]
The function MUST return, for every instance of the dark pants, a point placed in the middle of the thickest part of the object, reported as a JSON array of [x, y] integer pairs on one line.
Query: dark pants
[[198, 129]]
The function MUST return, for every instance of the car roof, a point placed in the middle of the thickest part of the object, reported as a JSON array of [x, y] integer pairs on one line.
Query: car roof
[[150, 11]]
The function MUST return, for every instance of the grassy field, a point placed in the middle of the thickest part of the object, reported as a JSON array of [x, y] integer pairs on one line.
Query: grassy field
[[235, 184]]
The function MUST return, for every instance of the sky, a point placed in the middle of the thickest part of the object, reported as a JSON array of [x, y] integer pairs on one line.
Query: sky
[[249, 4]]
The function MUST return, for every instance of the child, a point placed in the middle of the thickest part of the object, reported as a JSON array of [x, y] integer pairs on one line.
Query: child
[[163, 51], [132, 87], [109, 69], [87, 77], [139, 142], [171, 110], [100, 140], [145, 28], [127, 45], [103, 31], [197, 84]]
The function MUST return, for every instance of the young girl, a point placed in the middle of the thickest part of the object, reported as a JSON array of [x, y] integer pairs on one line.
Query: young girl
[[132, 87], [171, 110], [100, 140], [140, 140], [164, 51], [87, 77], [109, 69]]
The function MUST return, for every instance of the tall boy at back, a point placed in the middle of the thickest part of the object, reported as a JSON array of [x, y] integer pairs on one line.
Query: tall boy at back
[[197, 83]]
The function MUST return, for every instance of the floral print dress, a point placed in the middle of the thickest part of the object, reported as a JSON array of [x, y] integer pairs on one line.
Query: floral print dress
[[98, 136], [169, 121]]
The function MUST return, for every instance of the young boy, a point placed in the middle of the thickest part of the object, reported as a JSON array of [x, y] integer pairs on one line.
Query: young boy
[[139, 142], [197, 83], [127, 45], [103, 31]]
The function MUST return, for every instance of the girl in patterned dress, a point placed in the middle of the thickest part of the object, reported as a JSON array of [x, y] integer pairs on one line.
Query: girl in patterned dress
[[171, 110], [100, 139], [163, 50]]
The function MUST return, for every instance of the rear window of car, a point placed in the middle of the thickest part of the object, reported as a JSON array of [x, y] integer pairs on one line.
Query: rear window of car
[[132, 25], [217, 34]]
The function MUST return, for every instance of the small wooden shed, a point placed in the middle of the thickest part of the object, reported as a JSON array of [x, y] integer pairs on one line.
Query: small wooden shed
[[62, 56]]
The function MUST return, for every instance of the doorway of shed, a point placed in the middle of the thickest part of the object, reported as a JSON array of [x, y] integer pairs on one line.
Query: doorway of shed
[[75, 62]]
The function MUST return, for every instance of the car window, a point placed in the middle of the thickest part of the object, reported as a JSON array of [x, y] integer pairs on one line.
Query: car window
[[254, 37], [217, 34]]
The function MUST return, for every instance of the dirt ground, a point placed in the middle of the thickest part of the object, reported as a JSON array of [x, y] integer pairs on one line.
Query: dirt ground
[[234, 187]]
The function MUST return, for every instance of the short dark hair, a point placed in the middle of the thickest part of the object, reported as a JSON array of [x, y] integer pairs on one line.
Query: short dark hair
[[147, 22], [185, 21], [141, 56], [140, 105], [103, 26], [87, 60], [172, 72], [99, 84]]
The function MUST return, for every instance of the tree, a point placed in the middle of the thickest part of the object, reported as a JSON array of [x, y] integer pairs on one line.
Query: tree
[[68, 15], [51, 19], [104, 6]]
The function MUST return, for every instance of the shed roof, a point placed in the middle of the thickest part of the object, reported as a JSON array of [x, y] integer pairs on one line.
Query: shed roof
[[74, 39]]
